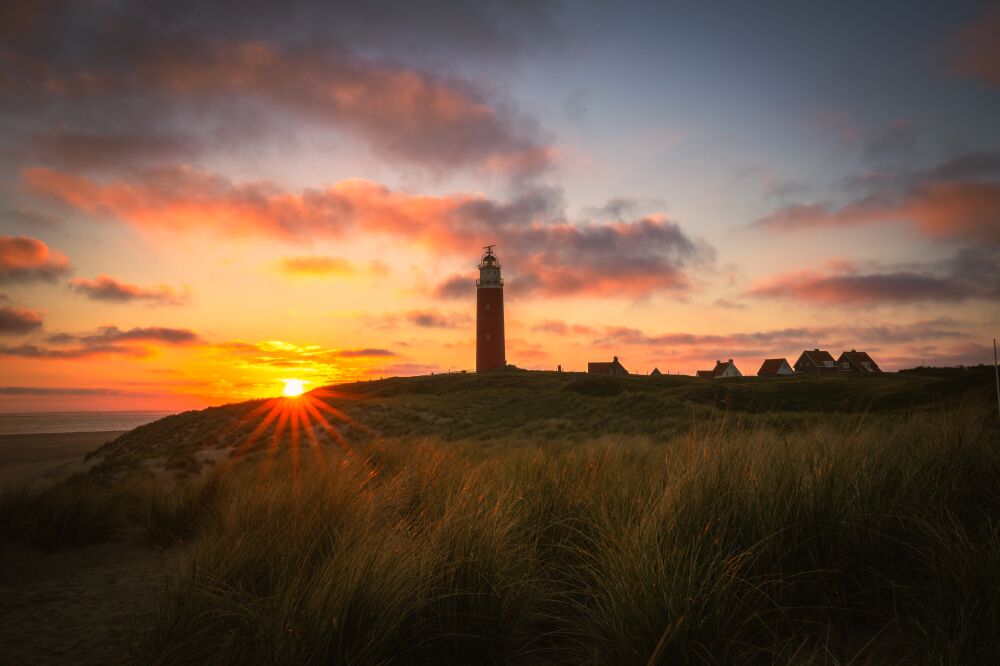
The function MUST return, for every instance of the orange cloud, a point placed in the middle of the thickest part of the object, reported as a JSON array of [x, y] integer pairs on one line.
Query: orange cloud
[[16, 321], [108, 340], [316, 266], [940, 210], [24, 259], [107, 288], [956, 199], [545, 253]]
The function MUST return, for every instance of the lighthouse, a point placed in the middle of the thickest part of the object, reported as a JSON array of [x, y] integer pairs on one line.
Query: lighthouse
[[489, 314]]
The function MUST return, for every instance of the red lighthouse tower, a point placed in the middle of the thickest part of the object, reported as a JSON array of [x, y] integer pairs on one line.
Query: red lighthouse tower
[[490, 353]]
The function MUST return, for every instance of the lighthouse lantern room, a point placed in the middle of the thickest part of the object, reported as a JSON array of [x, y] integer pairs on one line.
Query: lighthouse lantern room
[[490, 354]]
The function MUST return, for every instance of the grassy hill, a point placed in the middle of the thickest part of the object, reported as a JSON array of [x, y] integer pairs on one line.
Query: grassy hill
[[545, 518], [519, 406]]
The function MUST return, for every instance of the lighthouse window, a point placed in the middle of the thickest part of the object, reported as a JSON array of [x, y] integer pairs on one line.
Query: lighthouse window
[[487, 306], [487, 336]]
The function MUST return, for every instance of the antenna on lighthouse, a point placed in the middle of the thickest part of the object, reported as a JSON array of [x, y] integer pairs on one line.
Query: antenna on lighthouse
[[489, 248]]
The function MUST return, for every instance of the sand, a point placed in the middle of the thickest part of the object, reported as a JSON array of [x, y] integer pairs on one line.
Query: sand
[[79, 605], [43, 458]]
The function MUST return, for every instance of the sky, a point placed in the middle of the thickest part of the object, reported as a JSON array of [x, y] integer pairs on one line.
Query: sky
[[199, 203]]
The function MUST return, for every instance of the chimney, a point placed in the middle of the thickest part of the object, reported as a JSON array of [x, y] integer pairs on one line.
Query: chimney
[[717, 361], [817, 349], [730, 361], [616, 359]]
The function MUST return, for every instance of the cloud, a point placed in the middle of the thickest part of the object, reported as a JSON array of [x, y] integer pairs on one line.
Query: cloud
[[435, 319], [426, 318], [545, 253], [700, 348], [24, 259], [316, 266], [402, 370], [367, 352], [90, 149], [978, 46], [107, 340], [922, 330], [113, 334], [403, 113], [972, 273], [88, 351], [61, 390], [615, 259], [17, 321], [453, 286], [138, 70], [891, 144], [319, 363], [106, 288], [728, 304], [686, 350], [957, 199], [28, 219], [558, 327]]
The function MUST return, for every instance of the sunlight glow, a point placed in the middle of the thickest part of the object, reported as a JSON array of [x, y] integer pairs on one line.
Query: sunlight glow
[[294, 387]]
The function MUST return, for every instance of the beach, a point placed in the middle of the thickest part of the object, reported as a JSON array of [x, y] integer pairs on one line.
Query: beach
[[27, 459]]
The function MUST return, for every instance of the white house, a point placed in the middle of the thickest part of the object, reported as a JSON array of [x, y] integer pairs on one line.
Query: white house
[[721, 371]]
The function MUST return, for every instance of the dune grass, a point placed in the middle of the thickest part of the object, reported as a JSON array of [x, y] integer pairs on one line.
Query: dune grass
[[860, 541]]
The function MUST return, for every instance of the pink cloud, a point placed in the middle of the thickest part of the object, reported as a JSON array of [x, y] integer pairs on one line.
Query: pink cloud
[[547, 254], [955, 200], [24, 259]]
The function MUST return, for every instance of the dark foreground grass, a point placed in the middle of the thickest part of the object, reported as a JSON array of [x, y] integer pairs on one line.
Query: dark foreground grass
[[853, 540], [878, 541]]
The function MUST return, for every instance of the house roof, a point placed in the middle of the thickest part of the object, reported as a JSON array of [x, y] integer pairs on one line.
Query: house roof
[[817, 356], [604, 367], [771, 366], [857, 358], [656, 371], [719, 368]]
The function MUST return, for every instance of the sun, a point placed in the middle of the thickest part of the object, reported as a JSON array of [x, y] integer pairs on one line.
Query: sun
[[294, 387]]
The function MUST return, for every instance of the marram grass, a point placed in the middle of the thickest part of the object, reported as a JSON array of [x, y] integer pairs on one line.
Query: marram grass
[[868, 541]]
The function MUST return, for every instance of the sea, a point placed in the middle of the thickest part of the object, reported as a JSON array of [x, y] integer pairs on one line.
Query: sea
[[23, 423]]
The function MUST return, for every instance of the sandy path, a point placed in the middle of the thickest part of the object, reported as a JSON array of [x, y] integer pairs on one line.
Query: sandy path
[[25, 459], [77, 606]]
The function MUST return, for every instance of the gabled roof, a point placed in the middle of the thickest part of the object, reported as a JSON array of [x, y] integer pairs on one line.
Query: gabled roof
[[817, 357], [771, 366], [656, 372], [857, 359], [717, 371], [605, 367]]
